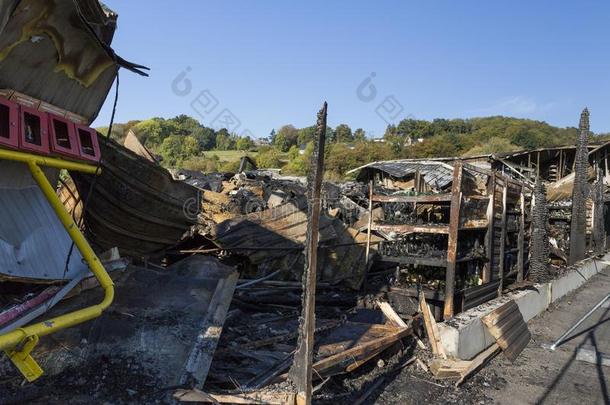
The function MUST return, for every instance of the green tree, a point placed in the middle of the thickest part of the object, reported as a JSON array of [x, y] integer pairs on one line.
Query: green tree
[[244, 143], [286, 137], [343, 133], [206, 137], [359, 135], [225, 140], [269, 159]]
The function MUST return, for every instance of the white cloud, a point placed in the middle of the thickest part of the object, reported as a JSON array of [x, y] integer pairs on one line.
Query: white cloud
[[518, 105]]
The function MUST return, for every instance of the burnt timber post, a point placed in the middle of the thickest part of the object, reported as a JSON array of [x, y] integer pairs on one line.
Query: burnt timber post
[[521, 237], [301, 370], [370, 223], [599, 233], [454, 224], [503, 239], [578, 224], [539, 260], [489, 240]]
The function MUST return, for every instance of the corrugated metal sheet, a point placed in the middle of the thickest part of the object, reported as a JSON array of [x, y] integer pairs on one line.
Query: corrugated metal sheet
[[507, 326], [436, 174], [273, 240], [135, 205], [33, 242]]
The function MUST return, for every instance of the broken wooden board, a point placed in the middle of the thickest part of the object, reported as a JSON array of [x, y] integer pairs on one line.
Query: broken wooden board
[[507, 326], [431, 328], [256, 397], [366, 342], [446, 368], [391, 315], [478, 362]]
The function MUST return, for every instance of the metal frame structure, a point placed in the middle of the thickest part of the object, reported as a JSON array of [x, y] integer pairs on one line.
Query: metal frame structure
[[19, 343]]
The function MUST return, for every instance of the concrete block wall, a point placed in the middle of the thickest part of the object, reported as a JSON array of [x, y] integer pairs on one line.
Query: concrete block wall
[[464, 336]]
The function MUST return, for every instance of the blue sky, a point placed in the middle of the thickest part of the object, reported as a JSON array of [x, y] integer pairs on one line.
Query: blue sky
[[272, 63]]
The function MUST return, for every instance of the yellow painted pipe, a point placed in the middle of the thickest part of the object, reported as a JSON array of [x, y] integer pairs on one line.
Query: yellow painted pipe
[[14, 338], [57, 163]]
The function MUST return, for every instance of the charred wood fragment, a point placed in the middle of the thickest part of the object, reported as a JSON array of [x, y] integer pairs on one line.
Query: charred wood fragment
[[539, 261], [580, 193], [302, 369], [598, 236]]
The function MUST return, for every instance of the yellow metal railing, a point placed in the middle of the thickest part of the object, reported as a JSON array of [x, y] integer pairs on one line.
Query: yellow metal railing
[[19, 343]]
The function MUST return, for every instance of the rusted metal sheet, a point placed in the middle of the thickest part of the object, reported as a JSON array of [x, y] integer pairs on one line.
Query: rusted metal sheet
[[135, 205], [507, 326]]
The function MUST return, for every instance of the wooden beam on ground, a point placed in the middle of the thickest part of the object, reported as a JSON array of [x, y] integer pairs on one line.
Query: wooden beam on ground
[[268, 398], [301, 371], [454, 224], [477, 362]]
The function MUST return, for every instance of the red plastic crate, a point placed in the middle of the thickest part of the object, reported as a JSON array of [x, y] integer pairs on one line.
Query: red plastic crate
[[63, 137], [33, 131], [9, 124], [88, 145]]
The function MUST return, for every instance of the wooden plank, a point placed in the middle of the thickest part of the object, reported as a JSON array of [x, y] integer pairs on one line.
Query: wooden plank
[[431, 328], [446, 368], [391, 315], [454, 223], [406, 228], [478, 361], [423, 261], [475, 224], [423, 198], [201, 355], [269, 398], [347, 357]]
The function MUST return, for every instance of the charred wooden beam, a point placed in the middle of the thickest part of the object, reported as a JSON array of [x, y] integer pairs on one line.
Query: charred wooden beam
[[454, 224], [489, 239], [579, 193], [521, 237], [539, 259], [407, 228], [502, 240], [301, 370], [599, 233], [424, 198]]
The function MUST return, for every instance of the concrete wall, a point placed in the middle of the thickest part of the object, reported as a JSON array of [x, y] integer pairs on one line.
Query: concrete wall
[[464, 336]]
